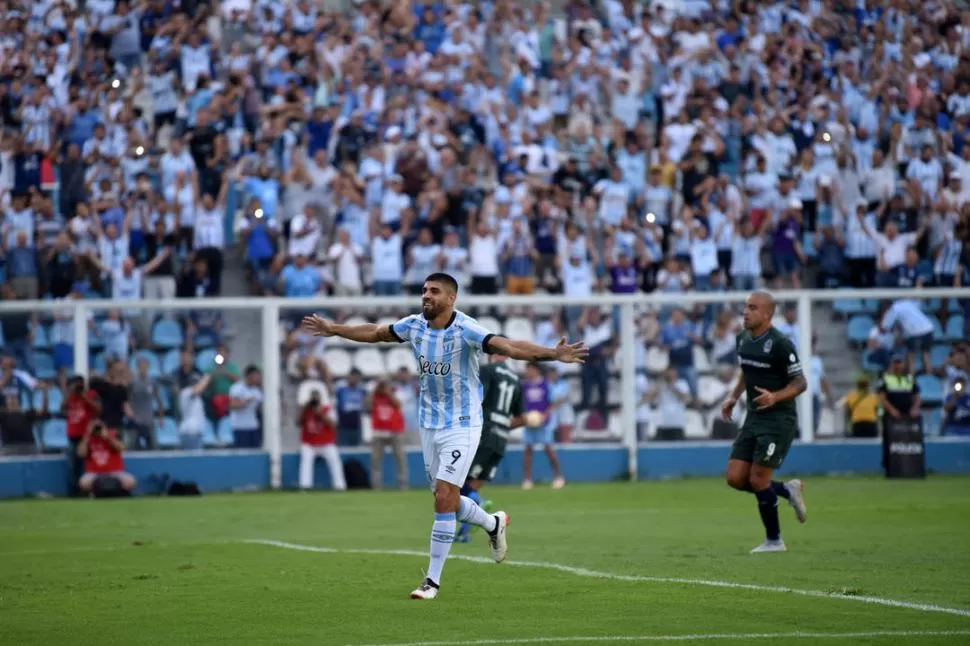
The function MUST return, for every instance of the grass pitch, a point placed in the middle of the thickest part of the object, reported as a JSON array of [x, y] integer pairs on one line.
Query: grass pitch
[[177, 571]]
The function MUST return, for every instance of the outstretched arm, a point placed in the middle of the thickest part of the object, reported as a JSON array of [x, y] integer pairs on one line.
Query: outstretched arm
[[527, 351], [364, 333]]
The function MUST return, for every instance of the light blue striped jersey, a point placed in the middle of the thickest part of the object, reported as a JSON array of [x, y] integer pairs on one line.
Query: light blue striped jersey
[[451, 392], [948, 259]]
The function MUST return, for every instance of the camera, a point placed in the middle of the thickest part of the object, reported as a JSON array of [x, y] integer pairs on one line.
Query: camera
[[98, 429], [220, 359]]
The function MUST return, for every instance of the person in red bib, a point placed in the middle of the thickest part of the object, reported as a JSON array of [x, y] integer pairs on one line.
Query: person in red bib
[[102, 452], [319, 439], [387, 422], [80, 408]]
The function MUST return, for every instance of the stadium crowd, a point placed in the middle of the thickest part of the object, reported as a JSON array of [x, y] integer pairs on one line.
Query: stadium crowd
[[610, 146]]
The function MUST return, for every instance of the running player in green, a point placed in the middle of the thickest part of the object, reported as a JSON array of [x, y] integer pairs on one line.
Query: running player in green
[[771, 375], [502, 411]]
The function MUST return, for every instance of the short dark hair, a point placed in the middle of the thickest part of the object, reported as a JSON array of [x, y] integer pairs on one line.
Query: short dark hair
[[443, 278]]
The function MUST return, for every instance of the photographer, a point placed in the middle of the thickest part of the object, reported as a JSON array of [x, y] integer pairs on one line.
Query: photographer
[[957, 409], [81, 406], [387, 422], [104, 466], [319, 439]]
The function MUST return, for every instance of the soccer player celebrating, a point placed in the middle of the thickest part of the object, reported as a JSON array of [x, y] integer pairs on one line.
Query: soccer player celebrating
[[448, 345], [502, 404], [771, 374]]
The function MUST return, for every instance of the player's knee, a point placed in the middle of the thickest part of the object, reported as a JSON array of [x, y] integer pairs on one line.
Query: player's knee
[[736, 480], [446, 498]]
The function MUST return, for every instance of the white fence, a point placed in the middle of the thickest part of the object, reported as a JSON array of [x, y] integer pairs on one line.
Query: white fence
[[629, 307]]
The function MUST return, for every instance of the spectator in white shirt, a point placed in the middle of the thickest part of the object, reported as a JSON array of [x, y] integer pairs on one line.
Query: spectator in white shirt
[[703, 256], [916, 328], [928, 171], [245, 399], [345, 257], [670, 397], [891, 246], [483, 255], [387, 262], [192, 411], [304, 233], [577, 280]]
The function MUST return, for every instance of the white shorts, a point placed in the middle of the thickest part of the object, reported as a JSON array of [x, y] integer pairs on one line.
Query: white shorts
[[448, 454]]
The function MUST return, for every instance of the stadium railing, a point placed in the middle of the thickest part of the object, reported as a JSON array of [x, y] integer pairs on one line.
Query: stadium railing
[[814, 308]]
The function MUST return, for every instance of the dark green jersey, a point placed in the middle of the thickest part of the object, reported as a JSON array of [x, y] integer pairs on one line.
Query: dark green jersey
[[769, 362], [501, 401]]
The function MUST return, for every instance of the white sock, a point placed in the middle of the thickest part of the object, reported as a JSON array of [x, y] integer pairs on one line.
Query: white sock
[[442, 536], [470, 512]]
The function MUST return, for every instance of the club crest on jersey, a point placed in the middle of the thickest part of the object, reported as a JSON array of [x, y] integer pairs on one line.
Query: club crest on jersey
[[767, 347], [433, 368], [449, 346]]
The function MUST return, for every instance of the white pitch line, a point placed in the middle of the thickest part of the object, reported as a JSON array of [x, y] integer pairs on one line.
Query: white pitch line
[[690, 638], [594, 574]]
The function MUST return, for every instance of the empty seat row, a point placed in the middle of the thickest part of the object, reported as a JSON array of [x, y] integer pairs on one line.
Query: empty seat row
[[53, 434], [860, 325]]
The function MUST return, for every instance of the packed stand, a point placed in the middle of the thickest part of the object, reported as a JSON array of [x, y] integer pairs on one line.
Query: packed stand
[[684, 146], [680, 147], [114, 180]]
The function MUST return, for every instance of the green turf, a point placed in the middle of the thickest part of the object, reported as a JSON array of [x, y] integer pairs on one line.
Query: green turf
[[173, 571]]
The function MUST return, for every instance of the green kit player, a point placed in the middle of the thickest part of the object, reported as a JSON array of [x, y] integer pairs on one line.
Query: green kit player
[[502, 411], [771, 375]]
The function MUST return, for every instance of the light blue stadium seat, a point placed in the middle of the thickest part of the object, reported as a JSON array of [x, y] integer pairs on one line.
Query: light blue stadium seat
[[954, 328], [42, 339], [204, 340], [930, 304], [938, 355], [209, 434], [55, 399], [932, 420], [170, 362], [167, 434], [154, 364], [859, 327], [848, 306], [2, 342], [99, 364], [204, 359], [930, 388], [937, 328], [44, 366], [953, 306], [167, 333], [870, 306], [53, 434], [224, 432]]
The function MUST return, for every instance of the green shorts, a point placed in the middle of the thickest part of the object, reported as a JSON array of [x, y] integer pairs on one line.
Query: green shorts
[[485, 463], [764, 441]]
